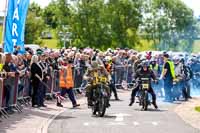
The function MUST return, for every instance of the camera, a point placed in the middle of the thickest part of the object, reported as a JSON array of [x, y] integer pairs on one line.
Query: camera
[[3, 75], [70, 61]]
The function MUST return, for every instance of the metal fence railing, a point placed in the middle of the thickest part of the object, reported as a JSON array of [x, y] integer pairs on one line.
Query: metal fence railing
[[24, 90], [123, 75], [2, 99]]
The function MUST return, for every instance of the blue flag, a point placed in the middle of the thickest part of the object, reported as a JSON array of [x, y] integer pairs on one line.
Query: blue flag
[[15, 25]]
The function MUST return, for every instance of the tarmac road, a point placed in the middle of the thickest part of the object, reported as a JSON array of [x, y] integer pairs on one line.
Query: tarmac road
[[120, 118]]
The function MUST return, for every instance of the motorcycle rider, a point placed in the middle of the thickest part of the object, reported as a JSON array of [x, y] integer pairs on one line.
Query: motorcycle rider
[[144, 72], [92, 76]]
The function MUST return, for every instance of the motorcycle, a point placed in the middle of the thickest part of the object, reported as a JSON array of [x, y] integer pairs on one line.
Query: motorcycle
[[144, 98], [100, 99]]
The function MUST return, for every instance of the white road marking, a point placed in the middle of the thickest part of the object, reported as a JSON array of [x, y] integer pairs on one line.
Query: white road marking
[[86, 124], [120, 117], [155, 123], [135, 123], [116, 124]]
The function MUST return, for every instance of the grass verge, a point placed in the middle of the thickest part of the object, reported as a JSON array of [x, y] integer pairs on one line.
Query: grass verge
[[197, 108], [196, 46], [51, 43]]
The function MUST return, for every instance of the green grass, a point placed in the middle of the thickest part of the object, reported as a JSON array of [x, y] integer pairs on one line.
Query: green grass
[[196, 47], [197, 109], [145, 45], [50, 43]]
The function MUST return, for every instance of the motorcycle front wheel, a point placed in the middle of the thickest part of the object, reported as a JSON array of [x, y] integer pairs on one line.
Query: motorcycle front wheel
[[102, 106]]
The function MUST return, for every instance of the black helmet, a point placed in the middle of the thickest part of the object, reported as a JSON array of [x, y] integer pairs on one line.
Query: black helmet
[[145, 63], [182, 60]]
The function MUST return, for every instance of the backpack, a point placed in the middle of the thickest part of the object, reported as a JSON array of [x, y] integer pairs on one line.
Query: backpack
[[187, 72]]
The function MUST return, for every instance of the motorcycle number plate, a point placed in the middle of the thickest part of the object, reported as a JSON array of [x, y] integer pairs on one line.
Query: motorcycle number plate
[[145, 86], [102, 79]]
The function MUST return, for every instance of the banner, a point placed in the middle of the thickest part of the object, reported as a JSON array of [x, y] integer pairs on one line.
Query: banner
[[15, 25]]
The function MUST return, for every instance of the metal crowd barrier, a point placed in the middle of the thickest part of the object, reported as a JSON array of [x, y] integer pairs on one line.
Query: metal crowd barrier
[[17, 94], [49, 89], [8, 96], [14, 95], [123, 75], [55, 84], [2, 99], [24, 90], [78, 74]]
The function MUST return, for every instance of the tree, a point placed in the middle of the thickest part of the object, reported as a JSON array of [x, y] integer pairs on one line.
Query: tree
[[34, 25], [89, 26], [120, 23], [167, 22], [50, 15], [125, 17], [103, 24]]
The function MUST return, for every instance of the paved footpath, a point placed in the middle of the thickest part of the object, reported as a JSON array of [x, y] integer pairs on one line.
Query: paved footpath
[[34, 120], [187, 112], [119, 119], [122, 119]]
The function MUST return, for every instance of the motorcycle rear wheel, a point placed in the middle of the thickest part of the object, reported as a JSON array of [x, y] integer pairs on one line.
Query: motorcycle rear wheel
[[145, 102]]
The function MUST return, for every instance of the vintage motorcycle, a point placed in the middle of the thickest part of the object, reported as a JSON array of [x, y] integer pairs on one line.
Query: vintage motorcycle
[[100, 98], [144, 97]]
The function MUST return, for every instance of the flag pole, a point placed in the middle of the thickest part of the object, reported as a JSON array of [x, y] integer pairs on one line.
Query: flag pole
[[4, 23]]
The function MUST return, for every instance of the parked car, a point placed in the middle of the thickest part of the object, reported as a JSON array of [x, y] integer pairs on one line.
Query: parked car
[[34, 47]]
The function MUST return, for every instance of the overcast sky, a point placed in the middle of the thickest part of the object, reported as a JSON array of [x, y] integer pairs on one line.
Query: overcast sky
[[194, 4]]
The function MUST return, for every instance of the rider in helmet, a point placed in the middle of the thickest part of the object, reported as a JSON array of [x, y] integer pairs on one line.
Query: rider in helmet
[[144, 72], [92, 75]]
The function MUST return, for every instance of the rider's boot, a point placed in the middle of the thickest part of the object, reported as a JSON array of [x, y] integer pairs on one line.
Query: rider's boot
[[155, 105], [89, 102], [132, 101], [89, 98], [117, 98]]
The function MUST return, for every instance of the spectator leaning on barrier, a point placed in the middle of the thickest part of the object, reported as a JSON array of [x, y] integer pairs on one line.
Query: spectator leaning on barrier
[[21, 69], [9, 82]]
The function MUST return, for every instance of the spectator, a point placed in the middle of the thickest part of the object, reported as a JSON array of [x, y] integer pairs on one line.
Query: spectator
[[67, 83]]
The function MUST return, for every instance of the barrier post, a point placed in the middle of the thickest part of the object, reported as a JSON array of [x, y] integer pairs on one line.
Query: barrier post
[[2, 100], [15, 94]]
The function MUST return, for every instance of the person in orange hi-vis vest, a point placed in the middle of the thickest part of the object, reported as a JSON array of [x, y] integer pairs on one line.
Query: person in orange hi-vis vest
[[67, 82]]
